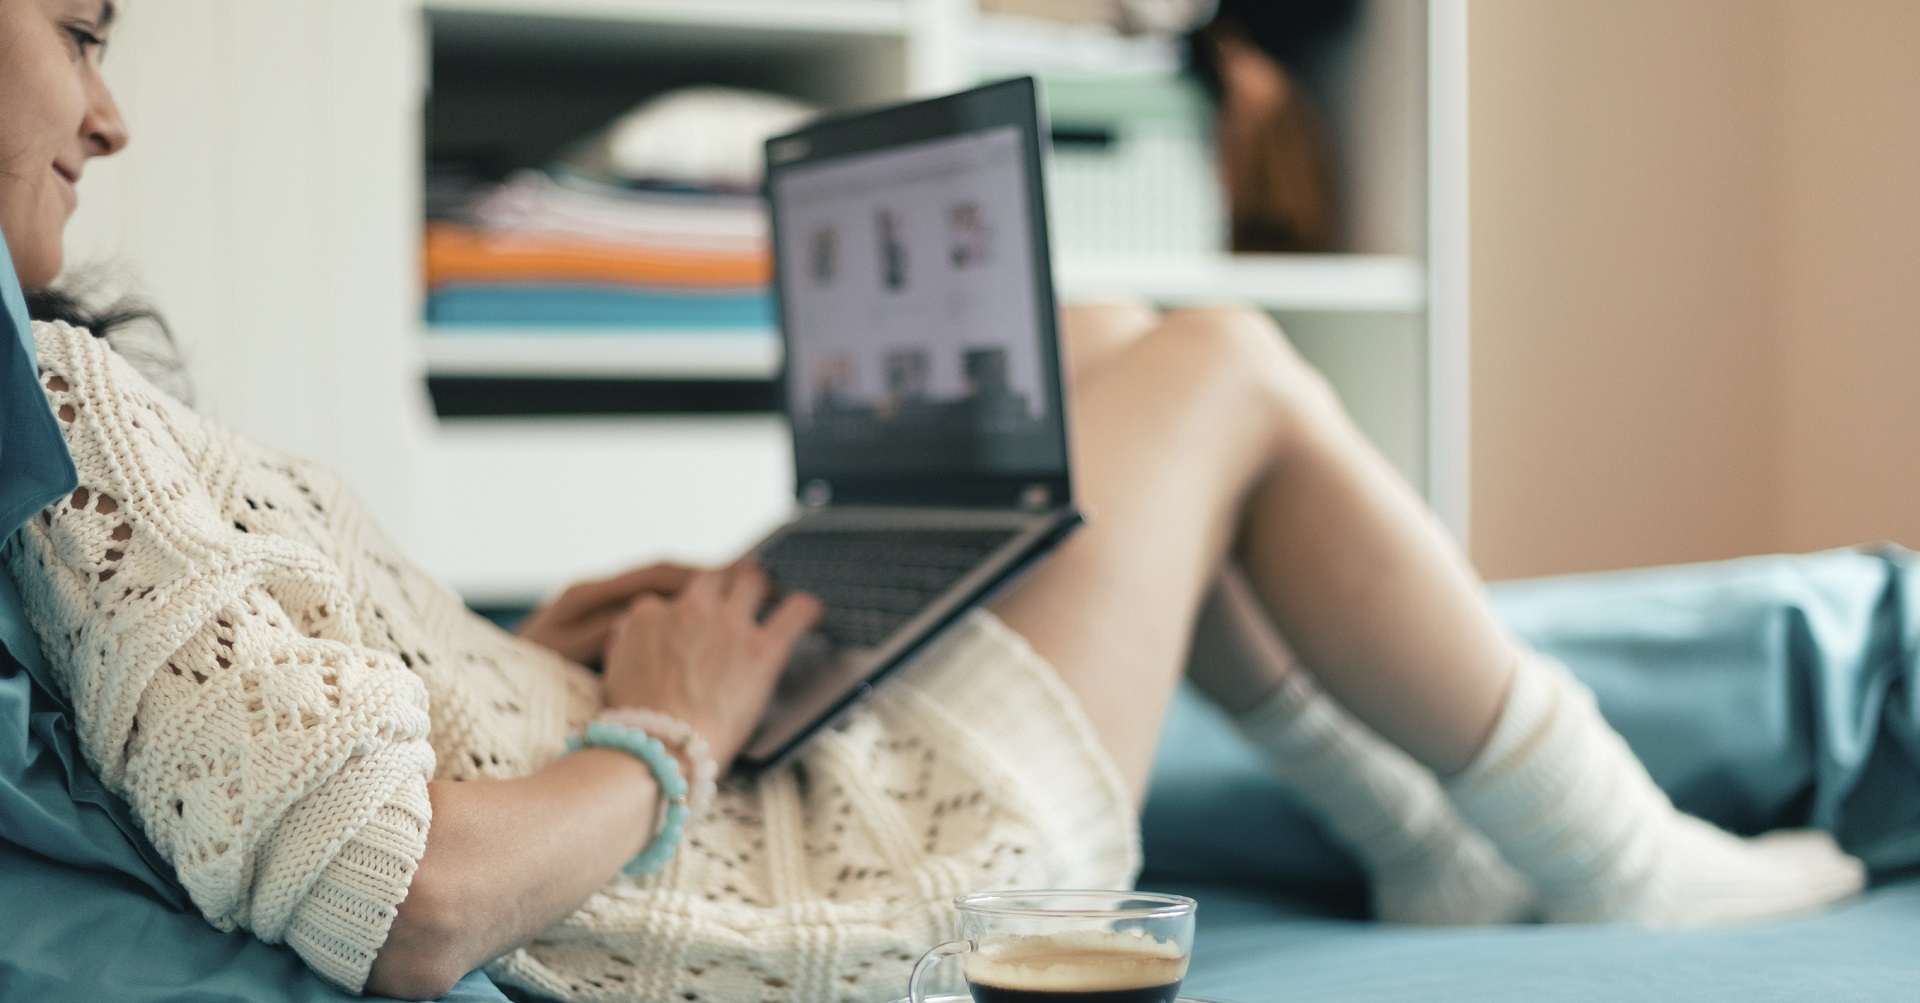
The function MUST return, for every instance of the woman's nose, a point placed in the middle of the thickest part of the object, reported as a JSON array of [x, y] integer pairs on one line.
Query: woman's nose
[[105, 131]]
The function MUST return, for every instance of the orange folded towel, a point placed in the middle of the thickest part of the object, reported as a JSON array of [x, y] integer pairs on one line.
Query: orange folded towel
[[457, 253]]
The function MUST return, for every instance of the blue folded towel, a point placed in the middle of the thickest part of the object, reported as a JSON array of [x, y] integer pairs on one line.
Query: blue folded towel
[[543, 305]]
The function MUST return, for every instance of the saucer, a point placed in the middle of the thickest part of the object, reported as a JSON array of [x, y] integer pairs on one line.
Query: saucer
[[964, 998]]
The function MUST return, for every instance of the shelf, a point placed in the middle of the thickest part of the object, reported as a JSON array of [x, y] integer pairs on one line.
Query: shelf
[[819, 17], [633, 490], [1284, 283], [516, 83], [1280, 282], [728, 355], [1006, 46]]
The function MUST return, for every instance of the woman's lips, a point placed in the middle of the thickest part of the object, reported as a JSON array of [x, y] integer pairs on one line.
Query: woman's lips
[[70, 183]]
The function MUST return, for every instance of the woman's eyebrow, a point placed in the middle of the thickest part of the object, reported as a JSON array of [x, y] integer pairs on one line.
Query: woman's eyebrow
[[108, 11]]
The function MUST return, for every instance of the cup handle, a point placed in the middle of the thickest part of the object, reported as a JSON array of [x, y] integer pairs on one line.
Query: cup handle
[[926, 963]]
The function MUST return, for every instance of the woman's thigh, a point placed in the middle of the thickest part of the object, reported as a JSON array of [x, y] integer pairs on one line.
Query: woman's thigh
[[1170, 430]]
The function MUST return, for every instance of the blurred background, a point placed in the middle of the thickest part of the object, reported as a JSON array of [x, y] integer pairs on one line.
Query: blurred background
[[1615, 282]]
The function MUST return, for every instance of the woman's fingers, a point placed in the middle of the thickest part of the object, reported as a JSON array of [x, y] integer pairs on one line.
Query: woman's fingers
[[704, 590], [575, 624], [587, 597], [658, 579], [790, 621], [702, 656], [590, 634], [747, 588]]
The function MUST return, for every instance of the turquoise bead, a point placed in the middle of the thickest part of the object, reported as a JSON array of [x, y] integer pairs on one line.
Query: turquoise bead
[[666, 772]]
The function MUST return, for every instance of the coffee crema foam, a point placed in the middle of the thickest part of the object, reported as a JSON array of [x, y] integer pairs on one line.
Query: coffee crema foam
[[1081, 962]]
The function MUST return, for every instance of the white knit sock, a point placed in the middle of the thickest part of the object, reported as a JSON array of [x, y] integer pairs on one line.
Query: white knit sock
[[1564, 799], [1427, 866]]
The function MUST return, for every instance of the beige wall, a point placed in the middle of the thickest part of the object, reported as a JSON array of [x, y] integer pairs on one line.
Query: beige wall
[[1850, 276], [1694, 278]]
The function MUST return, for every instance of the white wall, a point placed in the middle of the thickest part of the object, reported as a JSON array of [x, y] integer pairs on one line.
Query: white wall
[[267, 206]]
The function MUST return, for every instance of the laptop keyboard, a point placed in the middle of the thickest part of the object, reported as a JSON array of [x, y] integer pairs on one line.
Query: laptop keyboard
[[873, 581]]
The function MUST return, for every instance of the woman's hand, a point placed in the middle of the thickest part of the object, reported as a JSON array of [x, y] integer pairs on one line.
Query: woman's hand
[[703, 656], [578, 622]]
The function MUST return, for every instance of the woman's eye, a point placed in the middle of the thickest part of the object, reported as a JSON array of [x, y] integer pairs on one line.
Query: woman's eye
[[86, 41]]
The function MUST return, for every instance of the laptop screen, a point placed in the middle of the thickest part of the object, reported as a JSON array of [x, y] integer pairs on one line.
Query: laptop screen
[[920, 341]]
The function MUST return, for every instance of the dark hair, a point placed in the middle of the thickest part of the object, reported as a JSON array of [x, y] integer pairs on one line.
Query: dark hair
[[1287, 30], [134, 329], [72, 307]]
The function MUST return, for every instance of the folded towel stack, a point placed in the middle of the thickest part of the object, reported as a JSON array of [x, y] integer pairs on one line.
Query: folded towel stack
[[560, 250], [651, 225]]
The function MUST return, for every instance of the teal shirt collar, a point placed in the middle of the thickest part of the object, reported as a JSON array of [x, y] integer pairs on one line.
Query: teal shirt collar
[[35, 467]]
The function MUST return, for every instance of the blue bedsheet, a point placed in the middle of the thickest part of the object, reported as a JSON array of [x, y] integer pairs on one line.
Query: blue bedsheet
[[1253, 947]]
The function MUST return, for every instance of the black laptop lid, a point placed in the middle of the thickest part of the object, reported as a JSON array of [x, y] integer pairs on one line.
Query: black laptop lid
[[916, 303]]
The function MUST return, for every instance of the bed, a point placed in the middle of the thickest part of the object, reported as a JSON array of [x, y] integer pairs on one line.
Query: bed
[[1766, 692]]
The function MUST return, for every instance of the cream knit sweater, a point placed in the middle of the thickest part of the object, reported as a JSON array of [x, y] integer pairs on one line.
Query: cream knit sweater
[[271, 685]]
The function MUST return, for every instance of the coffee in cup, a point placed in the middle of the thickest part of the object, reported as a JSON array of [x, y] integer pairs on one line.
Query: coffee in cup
[[1068, 947], [1078, 967]]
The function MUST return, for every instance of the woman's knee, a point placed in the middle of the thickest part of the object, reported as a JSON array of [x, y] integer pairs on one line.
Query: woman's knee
[[1092, 333], [1246, 346]]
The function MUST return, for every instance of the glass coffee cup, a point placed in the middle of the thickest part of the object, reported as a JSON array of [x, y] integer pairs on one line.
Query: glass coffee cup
[[1068, 947]]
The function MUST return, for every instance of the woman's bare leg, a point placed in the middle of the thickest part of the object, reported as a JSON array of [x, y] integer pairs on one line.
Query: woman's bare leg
[[1174, 435], [1235, 657], [1209, 433], [1370, 591], [1175, 432]]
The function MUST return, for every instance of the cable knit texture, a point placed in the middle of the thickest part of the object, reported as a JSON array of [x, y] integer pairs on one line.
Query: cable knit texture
[[271, 685]]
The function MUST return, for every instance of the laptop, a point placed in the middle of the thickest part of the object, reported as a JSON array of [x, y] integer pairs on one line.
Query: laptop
[[922, 383]]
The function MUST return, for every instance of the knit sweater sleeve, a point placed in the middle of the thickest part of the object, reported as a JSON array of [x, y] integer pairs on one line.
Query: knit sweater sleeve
[[220, 681]]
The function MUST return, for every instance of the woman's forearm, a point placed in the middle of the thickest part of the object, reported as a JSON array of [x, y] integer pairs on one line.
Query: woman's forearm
[[506, 859]]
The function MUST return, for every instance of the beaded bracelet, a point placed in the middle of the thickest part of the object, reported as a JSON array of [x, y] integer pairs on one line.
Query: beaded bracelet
[[703, 779], [666, 770]]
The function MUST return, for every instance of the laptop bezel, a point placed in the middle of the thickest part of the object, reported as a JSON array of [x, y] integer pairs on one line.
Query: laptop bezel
[[1016, 103]]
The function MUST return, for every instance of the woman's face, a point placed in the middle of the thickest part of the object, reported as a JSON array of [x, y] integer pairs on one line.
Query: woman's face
[[55, 115]]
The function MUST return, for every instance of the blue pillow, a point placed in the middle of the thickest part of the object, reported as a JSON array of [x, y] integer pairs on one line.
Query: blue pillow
[[90, 909]]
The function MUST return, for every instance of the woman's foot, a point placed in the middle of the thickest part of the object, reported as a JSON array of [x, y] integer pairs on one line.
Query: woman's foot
[[1427, 867], [1565, 801]]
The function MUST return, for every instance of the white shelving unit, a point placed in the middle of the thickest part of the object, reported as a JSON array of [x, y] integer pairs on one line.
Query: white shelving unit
[[827, 17], [531, 504], [272, 203], [732, 355], [1336, 283], [695, 488]]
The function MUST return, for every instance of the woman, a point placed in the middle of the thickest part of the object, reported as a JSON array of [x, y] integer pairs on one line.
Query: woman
[[334, 754]]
